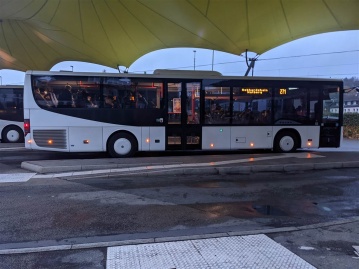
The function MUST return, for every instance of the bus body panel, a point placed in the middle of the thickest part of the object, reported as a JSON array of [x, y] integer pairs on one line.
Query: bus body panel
[[42, 138], [85, 139], [249, 137], [157, 138], [216, 138], [236, 137]]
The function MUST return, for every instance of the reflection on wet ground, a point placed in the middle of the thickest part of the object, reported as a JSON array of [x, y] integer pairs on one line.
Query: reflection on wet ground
[[239, 209]]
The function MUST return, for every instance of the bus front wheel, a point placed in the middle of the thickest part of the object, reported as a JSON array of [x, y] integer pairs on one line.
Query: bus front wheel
[[12, 134], [285, 142], [122, 145]]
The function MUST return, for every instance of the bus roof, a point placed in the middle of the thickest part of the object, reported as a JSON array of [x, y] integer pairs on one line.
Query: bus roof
[[183, 74]]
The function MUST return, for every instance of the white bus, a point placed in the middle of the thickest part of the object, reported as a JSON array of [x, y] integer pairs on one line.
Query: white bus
[[11, 114], [178, 110]]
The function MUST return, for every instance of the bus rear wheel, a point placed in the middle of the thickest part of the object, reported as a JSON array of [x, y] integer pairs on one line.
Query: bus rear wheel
[[12, 134], [285, 142], [122, 145]]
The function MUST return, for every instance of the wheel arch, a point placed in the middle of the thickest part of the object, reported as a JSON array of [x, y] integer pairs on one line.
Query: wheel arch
[[122, 132], [289, 130], [13, 126]]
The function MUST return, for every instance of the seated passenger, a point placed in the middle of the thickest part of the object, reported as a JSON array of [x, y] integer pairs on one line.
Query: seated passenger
[[40, 98], [89, 102], [108, 102], [65, 98], [141, 101]]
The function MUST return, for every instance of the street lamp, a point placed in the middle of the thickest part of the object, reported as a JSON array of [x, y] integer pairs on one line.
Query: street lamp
[[194, 60]]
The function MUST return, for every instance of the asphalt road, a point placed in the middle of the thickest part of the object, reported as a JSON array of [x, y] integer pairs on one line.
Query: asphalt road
[[59, 211]]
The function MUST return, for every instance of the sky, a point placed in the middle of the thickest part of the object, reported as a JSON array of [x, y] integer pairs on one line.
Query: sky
[[328, 55]]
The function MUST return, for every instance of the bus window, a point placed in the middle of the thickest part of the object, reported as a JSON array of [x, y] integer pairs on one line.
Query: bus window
[[11, 114], [291, 105], [131, 94], [174, 103], [217, 105], [251, 105], [330, 104]]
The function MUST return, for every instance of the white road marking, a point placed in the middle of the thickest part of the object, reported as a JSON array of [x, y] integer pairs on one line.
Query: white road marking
[[356, 251], [12, 149], [19, 177], [306, 248]]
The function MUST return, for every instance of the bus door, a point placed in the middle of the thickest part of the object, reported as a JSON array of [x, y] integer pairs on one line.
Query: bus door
[[331, 119], [183, 129]]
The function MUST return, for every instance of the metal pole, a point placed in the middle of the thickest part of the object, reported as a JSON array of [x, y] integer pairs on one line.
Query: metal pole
[[194, 60], [212, 59]]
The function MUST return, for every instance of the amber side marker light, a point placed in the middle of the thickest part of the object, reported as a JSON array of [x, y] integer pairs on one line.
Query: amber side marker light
[[86, 141], [49, 142]]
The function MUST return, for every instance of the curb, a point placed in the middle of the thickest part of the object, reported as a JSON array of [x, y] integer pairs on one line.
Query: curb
[[148, 171]]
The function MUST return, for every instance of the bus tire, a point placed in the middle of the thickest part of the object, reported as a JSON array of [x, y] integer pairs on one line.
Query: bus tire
[[122, 145], [285, 142], [12, 134]]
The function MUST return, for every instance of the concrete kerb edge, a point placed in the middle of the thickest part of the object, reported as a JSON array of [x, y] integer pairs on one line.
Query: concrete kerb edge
[[174, 239], [30, 166], [231, 170], [352, 164]]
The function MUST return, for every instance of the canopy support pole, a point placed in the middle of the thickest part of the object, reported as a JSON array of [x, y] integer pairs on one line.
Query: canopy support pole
[[251, 64]]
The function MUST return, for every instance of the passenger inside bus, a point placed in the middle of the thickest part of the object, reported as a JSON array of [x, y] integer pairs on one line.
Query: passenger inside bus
[[141, 101], [89, 102], [40, 98], [109, 102], [66, 98], [51, 97]]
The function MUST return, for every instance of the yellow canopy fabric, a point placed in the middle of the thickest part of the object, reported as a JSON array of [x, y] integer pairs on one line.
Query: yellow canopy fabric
[[36, 34]]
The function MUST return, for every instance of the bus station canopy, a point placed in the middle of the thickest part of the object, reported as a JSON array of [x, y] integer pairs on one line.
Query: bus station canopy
[[36, 34]]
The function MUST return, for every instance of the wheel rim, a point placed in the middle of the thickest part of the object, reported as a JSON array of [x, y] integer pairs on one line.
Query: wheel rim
[[13, 136], [286, 143], [122, 146]]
